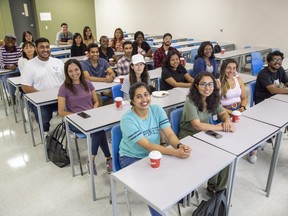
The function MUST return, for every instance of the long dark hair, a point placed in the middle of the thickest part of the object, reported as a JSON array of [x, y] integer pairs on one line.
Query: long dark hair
[[194, 95], [224, 84], [84, 33], [68, 81], [144, 75], [166, 61], [133, 89], [31, 44], [200, 52], [24, 34], [74, 39]]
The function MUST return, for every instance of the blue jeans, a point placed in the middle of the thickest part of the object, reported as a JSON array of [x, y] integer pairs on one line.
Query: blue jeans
[[98, 139], [46, 113], [126, 161]]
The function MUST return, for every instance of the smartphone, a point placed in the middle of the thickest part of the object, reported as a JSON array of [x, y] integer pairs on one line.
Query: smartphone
[[213, 134], [84, 115]]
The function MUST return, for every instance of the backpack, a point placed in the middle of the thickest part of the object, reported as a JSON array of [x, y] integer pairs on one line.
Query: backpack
[[217, 48], [215, 206]]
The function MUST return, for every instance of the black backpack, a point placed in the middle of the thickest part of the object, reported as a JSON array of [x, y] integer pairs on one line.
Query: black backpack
[[215, 206], [217, 48]]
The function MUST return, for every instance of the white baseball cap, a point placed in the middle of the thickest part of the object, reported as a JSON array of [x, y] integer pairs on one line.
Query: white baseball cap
[[137, 59]]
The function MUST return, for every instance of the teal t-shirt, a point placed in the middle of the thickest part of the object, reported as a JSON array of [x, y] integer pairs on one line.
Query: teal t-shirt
[[191, 112], [134, 128]]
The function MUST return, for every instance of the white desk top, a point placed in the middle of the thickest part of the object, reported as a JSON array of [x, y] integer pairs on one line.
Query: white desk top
[[285, 64], [175, 178], [280, 97], [239, 52], [173, 99], [15, 81], [181, 43], [79, 58], [248, 133], [4, 71], [67, 46], [60, 52], [160, 40], [247, 78], [270, 111]]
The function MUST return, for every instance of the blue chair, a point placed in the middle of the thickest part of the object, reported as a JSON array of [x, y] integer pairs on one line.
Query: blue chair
[[116, 91], [177, 47], [214, 121], [174, 41], [190, 39], [193, 54], [116, 136], [256, 63], [175, 118], [151, 43], [252, 88], [159, 84]]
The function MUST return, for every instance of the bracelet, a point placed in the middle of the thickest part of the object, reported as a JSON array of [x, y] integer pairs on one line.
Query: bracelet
[[178, 145], [243, 107]]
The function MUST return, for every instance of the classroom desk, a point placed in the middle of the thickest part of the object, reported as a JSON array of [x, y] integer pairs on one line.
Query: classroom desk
[[249, 135], [2, 88], [144, 181], [79, 58], [247, 78], [239, 53], [99, 121], [60, 53], [17, 82], [182, 43], [273, 112], [280, 97], [67, 46]]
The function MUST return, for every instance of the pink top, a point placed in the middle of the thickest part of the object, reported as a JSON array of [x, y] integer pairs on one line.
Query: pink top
[[118, 46], [232, 95]]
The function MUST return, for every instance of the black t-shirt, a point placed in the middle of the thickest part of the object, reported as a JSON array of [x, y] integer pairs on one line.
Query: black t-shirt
[[177, 75], [145, 46], [78, 51], [266, 78], [108, 55]]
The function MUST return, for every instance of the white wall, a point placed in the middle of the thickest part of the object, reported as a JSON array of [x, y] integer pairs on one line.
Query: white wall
[[244, 22]]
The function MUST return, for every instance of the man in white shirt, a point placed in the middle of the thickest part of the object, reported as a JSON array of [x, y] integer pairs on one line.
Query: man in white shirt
[[41, 73]]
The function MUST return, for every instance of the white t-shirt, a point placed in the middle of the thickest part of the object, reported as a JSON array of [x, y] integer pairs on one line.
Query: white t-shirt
[[21, 63], [43, 75]]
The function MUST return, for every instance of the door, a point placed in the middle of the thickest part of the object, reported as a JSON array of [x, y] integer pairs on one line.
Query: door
[[22, 12]]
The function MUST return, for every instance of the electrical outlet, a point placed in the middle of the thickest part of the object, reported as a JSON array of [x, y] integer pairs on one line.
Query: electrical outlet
[[221, 30], [46, 27]]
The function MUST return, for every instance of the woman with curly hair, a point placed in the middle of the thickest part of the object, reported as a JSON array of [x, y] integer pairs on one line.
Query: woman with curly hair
[[203, 101], [116, 43]]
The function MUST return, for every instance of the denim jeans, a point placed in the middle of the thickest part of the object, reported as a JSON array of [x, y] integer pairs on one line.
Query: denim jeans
[[46, 113], [98, 139], [126, 161]]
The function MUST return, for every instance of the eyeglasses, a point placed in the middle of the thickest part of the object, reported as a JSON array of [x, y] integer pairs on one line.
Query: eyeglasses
[[204, 84], [276, 60]]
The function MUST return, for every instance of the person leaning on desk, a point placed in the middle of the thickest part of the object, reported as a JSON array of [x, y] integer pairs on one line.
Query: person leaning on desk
[[203, 101], [140, 128]]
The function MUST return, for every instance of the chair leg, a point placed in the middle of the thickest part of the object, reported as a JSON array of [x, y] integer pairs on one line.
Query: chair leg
[[127, 201], [197, 197], [78, 155], [179, 209]]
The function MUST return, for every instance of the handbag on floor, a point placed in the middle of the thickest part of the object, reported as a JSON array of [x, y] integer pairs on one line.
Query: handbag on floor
[[55, 151], [215, 206]]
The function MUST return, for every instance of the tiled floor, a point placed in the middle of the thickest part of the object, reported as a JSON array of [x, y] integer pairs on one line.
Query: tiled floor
[[30, 186]]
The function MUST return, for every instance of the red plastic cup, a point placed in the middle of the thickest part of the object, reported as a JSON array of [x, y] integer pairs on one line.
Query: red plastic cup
[[182, 61], [236, 116], [121, 78], [222, 51], [118, 102], [155, 158]]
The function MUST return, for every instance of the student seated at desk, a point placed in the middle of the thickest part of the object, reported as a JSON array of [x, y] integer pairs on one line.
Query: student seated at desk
[[268, 83], [106, 52], [138, 73], [232, 88], [78, 48], [64, 37], [203, 101], [174, 74], [140, 46], [41, 73], [88, 37], [205, 59], [97, 69], [141, 128], [28, 52], [76, 95], [123, 64], [116, 43], [26, 36]]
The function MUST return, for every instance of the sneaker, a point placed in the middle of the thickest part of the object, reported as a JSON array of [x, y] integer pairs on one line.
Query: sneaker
[[252, 157], [109, 165], [94, 169]]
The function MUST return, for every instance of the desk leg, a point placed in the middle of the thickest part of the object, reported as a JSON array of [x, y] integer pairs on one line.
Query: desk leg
[[114, 195], [69, 146], [3, 97], [30, 122], [42, 132], [231, 178], [13, 106], [22, 114], [274, 161], [89, 144]]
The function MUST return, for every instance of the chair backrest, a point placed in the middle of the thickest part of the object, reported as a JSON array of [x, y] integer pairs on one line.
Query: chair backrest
[[252, 88], [116, 136], [193, 54], [151, 43], [116, 91], [256, 63], [175, 118], [159, 83]]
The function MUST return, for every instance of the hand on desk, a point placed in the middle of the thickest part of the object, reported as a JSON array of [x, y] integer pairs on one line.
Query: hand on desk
[[228, 127], [183, 151], [109, 79]]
